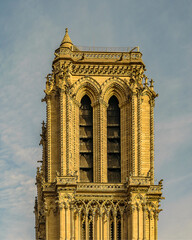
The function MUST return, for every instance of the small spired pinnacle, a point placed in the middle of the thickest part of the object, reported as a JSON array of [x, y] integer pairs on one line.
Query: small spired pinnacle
[[66, 42], [151, 84]]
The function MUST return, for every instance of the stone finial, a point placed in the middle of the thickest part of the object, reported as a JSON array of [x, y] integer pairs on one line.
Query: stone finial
[[146, 81], [151, 84], [66, 42]]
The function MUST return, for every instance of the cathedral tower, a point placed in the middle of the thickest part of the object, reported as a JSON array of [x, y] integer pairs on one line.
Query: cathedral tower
[[96, 180]]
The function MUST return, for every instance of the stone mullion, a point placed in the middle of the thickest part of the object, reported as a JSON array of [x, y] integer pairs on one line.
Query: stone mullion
[[139, 134], [122, 225], [108, 225], [98, 227], [115, 224], [94, 230], [86, 226], [152, 140], [134, 134], [49, 138], [100, 224]]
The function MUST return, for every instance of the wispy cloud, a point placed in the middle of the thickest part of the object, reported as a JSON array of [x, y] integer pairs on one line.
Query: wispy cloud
[[171, 135]]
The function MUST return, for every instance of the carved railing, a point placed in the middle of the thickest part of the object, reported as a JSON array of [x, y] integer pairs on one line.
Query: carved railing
[[97, 186], [105, 49], [80, 55], [155, 189], [138, 181]]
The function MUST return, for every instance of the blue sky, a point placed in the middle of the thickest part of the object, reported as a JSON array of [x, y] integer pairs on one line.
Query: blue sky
[[30, 31]]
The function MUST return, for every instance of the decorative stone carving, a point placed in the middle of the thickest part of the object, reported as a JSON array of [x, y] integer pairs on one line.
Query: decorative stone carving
[[97, 207], [49, 83]]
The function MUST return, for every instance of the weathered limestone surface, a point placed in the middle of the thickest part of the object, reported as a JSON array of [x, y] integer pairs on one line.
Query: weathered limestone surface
[[67, 207]]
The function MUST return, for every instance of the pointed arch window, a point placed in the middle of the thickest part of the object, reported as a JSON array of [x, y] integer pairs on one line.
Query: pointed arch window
[[113, 141], [86, 140]]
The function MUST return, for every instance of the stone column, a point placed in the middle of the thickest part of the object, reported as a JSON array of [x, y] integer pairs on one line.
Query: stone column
[[62, 222], [155, 225], [103, 140], [129, 131], [100, 225], [49, 138], [75, 224], [72, 222], [79, 225], [140, 223], [124, 141], [108, 225], [76, 137], [134, 134], [122, 225], [144, 222], [152, 103], [151, 226], [66, 223], [69, 160], [139, 134], [94, 225], [96, 161], [47, 225], [134, 223], [62, 131]]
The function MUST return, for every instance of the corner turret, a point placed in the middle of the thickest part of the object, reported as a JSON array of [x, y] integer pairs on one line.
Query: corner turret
[[66, 42]]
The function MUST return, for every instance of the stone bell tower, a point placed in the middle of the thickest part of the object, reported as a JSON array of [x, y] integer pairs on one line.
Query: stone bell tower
[[96, 180]]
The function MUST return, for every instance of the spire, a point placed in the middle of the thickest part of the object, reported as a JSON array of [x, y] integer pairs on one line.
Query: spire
[[66, 42]]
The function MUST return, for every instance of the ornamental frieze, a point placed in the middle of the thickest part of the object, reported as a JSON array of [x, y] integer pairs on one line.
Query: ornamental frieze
[[107, 70]]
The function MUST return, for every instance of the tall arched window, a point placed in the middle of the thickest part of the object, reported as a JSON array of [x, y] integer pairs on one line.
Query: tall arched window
[[86, 140], [113, 141]]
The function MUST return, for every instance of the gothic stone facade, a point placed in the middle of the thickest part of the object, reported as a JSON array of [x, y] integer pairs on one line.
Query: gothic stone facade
[[96, 180]]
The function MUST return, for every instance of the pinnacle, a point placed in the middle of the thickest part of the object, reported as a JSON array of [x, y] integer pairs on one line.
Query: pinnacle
[[66, 42]]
